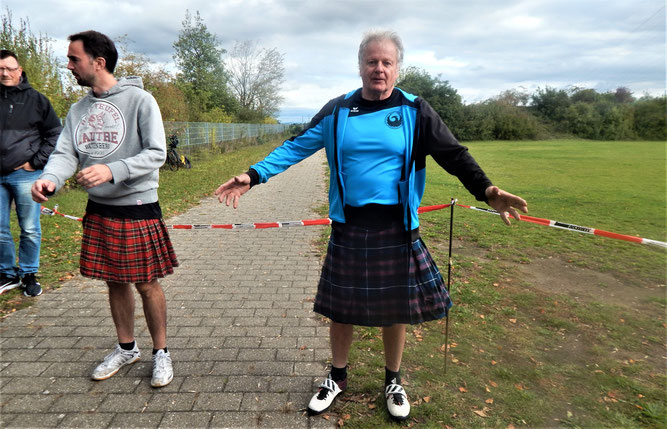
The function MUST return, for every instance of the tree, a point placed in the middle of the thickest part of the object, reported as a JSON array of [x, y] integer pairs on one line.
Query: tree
[[623, 95], [202, 76], [256, 76], [551, 103], [584, 95], [156, 80], [439, 93], [512, 97], [649, 117]]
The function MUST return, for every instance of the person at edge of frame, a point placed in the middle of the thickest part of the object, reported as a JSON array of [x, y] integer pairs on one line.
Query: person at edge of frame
[[377, 270], [30, 128], [116, 136]]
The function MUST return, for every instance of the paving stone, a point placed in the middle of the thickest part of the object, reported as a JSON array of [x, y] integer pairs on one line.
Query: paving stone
[[218, 401], [144, 386], [284, 384], [136, 420], [26, 385], [171, 402], [263, 401], [34, 420], [75, 402], [69, 385], [130, 402], [28, 403], [209, 383], [283, 419], [62, 355], [86, 420], [235, 420], [245, 383], [256, 355], [20, 355], [116, 384], [186, 419]]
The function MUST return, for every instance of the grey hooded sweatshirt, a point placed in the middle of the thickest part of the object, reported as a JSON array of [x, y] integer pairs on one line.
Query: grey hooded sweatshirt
[[122, 129]]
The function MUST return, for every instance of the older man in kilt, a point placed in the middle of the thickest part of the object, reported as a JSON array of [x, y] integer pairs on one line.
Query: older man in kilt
[[377, 271], [116, 137]]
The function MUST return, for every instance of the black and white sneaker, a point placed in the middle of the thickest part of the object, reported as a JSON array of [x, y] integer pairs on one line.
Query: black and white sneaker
[[397, 401], [31, 285], [325, 396], [8, 283]]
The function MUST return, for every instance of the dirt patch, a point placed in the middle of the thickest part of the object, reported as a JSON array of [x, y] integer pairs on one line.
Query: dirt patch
[[555, 275]]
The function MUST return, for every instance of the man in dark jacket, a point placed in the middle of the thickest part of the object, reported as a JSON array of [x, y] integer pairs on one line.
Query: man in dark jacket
[[29, 129]]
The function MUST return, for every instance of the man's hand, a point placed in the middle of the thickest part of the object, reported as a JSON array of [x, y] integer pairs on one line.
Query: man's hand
[[231, 190], [94, 175], [505, 203], [41, 189], [26, 166]]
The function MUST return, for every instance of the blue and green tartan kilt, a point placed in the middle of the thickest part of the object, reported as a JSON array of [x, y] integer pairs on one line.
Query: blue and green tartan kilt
[[373, 277]]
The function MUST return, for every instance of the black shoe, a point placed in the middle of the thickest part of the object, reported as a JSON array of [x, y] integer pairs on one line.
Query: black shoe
[[32, 287], [8, 282]]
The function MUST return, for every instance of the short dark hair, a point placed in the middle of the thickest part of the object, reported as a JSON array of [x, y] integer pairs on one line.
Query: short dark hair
[[6, 53], [98, 45]]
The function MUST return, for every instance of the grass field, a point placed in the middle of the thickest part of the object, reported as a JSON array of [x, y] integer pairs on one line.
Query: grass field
[[550, 328]]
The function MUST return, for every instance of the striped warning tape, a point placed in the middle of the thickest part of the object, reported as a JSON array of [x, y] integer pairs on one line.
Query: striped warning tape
[[52, 212], [424, 209], [575, 228]]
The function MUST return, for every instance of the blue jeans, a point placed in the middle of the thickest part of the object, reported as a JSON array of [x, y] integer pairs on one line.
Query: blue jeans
[[15, 187]]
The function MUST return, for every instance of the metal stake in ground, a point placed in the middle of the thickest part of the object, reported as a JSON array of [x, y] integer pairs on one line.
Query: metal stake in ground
[[449, 275]]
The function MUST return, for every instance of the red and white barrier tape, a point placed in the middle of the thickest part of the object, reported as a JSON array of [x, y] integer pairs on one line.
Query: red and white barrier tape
[[254, 225], [424, 209], [576, 228], [52, 212]]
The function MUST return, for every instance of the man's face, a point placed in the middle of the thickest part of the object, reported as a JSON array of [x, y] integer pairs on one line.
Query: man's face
[[80, 64], [379, 70], [10, 72]]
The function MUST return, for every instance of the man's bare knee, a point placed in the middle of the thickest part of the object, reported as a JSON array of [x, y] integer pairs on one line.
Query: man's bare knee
[[147, 289]]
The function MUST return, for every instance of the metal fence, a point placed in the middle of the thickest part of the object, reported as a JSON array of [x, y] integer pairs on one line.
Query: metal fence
[[194, 135]]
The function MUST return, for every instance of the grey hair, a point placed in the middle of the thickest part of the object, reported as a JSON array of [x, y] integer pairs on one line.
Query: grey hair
[[379, 36]]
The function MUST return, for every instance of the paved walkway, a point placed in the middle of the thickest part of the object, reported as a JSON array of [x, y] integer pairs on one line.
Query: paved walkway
[[248, 350]]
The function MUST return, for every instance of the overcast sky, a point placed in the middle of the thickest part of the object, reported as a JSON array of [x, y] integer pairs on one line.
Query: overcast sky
[[482, 47]]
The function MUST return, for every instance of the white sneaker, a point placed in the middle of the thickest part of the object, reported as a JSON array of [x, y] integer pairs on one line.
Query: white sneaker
[[115, 361], [163, 372], [322, 400], [397, 401]]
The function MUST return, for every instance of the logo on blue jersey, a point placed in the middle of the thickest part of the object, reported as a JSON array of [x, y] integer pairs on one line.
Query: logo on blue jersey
[[394, 120]]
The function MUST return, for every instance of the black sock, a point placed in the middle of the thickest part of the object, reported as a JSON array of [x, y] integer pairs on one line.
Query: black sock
[[338, 374], [391, 377], [156, 350], [127, 346]]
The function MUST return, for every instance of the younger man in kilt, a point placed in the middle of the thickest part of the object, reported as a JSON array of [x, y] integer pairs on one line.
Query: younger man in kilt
[[116, 137]]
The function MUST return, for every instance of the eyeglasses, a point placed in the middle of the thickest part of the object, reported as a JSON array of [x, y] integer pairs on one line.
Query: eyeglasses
[[8, 69]]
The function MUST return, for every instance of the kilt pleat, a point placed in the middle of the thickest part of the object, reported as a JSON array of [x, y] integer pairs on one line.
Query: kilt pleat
[[126, 250], [374, 277]]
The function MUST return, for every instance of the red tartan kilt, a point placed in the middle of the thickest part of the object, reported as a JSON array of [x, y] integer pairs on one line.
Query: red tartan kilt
[[126, 250]]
